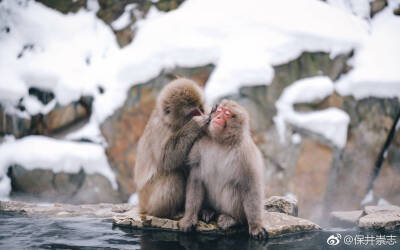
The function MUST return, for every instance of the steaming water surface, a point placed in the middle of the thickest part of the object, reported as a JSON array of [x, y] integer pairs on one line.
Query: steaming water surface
[[17, 232]]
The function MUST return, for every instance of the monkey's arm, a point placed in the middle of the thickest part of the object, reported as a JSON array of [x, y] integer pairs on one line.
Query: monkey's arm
[[194, 200], [179, 144], [252, 203]]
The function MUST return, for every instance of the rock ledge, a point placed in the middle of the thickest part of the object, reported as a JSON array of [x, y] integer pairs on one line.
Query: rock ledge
[[127, 215], [372, 217]]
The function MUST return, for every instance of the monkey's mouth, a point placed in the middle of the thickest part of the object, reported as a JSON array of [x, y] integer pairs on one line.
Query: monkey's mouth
[[219, 123], [196, 112]]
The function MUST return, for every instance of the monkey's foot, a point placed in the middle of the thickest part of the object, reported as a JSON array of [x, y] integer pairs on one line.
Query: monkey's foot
[[187, 224], [258, 232], [178, 216], [226, 221], [207, 215]]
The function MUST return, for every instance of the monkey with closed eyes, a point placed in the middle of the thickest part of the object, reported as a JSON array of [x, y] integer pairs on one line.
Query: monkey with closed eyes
[[160, 172], [226, 173]]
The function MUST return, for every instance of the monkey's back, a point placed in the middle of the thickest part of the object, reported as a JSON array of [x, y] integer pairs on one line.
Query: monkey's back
[[148, 156]]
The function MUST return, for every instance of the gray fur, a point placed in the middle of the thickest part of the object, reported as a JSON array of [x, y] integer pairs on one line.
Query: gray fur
[[160, 170], [227, 172]]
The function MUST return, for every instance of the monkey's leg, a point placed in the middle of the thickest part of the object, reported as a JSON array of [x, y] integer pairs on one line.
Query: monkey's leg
[[194, 199], [168, 196], [253, 210], [226, 221]]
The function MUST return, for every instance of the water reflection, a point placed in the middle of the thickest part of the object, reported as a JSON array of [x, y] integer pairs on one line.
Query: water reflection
[[18, 232]]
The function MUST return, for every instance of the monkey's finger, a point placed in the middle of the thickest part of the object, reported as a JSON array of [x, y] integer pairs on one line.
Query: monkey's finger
[[263, 234], [199, 110], [214, 109]]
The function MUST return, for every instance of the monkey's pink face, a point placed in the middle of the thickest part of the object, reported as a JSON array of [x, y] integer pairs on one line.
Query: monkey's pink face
[[220, 118]]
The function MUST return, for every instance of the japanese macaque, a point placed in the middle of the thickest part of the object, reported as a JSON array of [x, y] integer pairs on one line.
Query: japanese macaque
[[226, 173], [160, 173]]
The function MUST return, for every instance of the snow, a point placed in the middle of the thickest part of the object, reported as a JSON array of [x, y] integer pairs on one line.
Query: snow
[[331, 123], [356, 7], [376, 64], [291, 196], [245, 44], [133, 199], [369, 197], [383, 202], [296, 138], [125, 19], [40, 152]]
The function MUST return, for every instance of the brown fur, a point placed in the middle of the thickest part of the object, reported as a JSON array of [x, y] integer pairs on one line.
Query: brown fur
[[227, 175], [160, 173]]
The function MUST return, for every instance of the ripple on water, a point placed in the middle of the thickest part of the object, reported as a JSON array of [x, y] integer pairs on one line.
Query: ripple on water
[[17, 232]]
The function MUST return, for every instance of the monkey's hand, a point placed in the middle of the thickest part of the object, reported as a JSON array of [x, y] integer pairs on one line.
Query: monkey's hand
[[225, 222], [258, 231], [207, 215], [187, 224], [202, 121]]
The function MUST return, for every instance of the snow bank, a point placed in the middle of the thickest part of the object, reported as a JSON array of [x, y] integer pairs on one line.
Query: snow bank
[[359, 8], [125, 19], [244, 40], [73, 54], [376, 64], [50, 51], [33, 152], [331, 123]]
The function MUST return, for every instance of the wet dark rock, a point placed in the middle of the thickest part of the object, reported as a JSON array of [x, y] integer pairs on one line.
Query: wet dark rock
[[110, 10], [397, 11], [46, 186], [13, 125], [168, 5], [58, 121], [64, 6], [94, 189], [376, 6], [42, 95], [62, 118]]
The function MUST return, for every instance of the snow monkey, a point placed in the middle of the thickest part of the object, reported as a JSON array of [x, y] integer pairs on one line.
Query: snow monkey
[[226, 173], [160, 173]]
